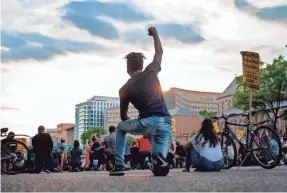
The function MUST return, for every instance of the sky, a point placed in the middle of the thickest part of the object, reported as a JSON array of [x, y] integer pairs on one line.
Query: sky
[[58, 53]]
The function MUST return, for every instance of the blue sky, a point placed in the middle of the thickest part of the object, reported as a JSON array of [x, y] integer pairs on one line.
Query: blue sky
[[58, 53]]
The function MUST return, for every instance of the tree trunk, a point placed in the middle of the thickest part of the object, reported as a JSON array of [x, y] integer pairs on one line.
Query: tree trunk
[[275, 122]]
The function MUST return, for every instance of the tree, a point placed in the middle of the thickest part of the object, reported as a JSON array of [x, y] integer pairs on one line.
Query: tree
[[98, 130], [207, 114], [129, 140], [192, 134], [273, 90], [284, 115]]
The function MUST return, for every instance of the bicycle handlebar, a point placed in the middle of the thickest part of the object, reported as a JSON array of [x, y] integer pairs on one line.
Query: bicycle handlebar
[[17, 135], [224, 116]]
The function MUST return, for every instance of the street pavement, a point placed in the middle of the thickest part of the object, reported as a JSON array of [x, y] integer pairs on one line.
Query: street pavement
[[245, 179]]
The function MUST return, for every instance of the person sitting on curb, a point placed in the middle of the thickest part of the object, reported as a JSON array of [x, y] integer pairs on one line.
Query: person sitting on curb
[[204, 150]]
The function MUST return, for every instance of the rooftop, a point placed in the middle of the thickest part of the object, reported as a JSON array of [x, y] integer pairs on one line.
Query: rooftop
[[175, 90], [181, 111], [229, 90]]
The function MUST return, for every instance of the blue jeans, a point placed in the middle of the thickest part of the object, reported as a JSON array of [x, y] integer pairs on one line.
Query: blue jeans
[[193, 158], [156, 129]]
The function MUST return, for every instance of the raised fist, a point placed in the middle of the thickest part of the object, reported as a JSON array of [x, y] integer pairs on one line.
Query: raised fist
[[152, 31]]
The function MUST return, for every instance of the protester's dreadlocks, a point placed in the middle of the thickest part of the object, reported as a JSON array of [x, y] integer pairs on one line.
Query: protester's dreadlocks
[[133, 55]]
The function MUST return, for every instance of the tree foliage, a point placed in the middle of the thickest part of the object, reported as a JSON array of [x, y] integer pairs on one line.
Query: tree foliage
[[129, 140], [98, 130], [192, 134], [273, 90], [207, 114]]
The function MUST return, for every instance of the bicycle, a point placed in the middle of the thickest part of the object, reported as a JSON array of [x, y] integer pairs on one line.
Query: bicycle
[[13, 154], [256, 145]]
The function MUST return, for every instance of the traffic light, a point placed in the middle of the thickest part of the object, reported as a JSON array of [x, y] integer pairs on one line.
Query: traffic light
[[173, 125]]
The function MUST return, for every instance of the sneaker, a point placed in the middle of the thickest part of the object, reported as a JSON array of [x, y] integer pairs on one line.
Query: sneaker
[[47, 171], [118, 171], [127, 167], [186, 170]]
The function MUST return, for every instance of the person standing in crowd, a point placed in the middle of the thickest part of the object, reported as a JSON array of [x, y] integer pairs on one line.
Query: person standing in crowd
[[204, 150], [110, 140], [43, 145], [144, 147], [76, 156]]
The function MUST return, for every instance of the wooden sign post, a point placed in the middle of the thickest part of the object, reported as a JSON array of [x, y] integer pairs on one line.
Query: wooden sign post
[[251, 74]]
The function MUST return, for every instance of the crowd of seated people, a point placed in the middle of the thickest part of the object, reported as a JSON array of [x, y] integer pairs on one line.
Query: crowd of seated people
[[202, 151]]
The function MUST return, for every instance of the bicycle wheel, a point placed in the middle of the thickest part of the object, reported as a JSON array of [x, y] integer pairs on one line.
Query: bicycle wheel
[[266, 147], [229, 151], [13, 157]]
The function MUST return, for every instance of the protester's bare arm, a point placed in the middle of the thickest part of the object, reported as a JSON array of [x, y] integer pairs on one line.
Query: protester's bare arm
[[124, 105], [157, 44], [124, 111], [187, 145]]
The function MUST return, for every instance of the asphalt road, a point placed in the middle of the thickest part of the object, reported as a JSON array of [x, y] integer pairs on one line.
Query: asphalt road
[[246, 179]]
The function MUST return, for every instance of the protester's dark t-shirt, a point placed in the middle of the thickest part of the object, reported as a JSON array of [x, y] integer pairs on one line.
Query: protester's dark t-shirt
[[180, 151], [76, 155], [145, 93], [42, 143]]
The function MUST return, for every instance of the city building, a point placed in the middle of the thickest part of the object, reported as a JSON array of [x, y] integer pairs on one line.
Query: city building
[[196, 101], [62, 130], [112, 115], [53, 133], [70, 136], [225, 99], [185, 120], [91, 113]]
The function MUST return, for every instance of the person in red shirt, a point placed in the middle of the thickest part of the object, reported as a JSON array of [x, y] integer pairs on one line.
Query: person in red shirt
[[145, 147]]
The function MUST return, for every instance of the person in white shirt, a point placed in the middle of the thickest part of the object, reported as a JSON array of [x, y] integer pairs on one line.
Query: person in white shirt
[[203, 150]]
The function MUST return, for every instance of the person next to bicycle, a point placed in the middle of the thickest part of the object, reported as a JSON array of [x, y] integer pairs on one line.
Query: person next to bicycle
[[12, 147], [10, 138], [274, 146], [204, 150]]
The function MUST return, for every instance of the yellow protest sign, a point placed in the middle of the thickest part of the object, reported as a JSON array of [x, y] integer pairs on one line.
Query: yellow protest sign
[[251, 70], [216, 127], [20, 147], [239, 132], [173, 125]]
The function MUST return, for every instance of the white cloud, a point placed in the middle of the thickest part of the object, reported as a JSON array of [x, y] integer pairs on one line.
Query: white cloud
[[267, 3]]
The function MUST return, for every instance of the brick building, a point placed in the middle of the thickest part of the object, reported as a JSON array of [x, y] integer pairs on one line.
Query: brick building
[[70, 135], [186, 121], [194, 100], [62, 130]]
